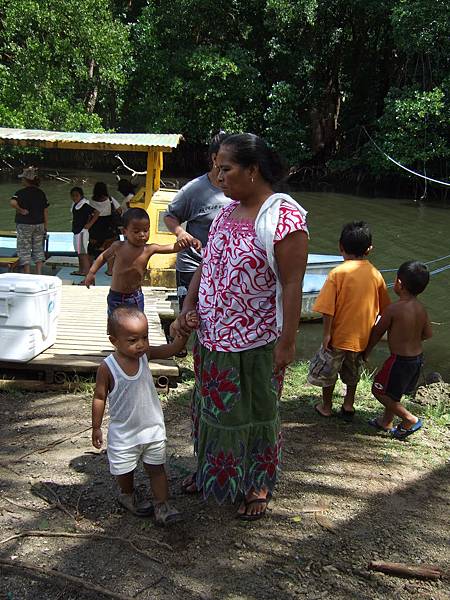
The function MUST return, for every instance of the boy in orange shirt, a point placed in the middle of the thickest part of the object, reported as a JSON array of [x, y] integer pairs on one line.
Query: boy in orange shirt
[[352, 297]]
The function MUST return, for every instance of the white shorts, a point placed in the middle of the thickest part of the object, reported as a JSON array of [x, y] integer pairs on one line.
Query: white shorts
[[123, 461], [81, 241]]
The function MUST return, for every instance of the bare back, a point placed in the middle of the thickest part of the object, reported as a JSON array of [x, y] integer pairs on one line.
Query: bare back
[[130, 264], [409, 325]]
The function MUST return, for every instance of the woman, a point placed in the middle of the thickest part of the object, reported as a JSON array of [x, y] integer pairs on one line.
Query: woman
[[248, 296], [105, 230], [31, 207]]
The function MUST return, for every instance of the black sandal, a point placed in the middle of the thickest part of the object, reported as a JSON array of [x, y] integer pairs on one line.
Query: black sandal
[[245, 517]]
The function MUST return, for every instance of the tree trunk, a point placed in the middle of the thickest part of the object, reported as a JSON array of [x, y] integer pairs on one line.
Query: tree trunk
[[91, 96]]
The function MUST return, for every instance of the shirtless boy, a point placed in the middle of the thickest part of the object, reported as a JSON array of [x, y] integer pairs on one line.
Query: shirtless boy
[[130, 260], [407, 324]]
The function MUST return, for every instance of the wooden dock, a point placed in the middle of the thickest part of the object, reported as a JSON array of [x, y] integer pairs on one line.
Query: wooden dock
[[82, 342]]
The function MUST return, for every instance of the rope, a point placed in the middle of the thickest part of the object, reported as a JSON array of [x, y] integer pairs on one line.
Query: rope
[[435, 272], [426, 263], [401, 166]]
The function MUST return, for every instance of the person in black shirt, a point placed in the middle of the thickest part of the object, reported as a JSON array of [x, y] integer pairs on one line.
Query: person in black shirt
[[83, 217], [31, 206]]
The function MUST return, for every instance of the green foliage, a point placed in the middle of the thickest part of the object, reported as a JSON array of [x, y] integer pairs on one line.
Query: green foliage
[[63, 64], [307, 74]]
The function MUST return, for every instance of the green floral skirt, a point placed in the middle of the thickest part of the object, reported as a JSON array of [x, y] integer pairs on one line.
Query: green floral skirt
[[236, 423]]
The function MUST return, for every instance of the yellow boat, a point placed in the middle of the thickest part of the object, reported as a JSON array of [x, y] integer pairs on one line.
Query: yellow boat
[[150, 197]]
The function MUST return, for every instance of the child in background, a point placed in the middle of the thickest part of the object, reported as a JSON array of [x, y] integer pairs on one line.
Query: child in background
[[83, 217], [128, 191], [136, 428], [130, 260], [352, 297], [407, 324]]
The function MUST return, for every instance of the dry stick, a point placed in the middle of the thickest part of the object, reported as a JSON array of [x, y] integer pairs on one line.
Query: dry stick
[[153, 541], [78, 581], [31, 508], [43, 449], [403, 570], [57, 503], [92, 536]]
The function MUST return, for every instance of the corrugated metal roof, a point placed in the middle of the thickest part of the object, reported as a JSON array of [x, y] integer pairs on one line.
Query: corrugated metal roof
[[141, 140]]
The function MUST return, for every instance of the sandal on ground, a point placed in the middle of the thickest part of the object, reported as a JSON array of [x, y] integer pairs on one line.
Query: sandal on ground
[[401, 433], [166, 514], [374, 423], [188, 485], [78, 274], [108, 273], [142, 508], [347, 415], [316, 408], [246, 517]]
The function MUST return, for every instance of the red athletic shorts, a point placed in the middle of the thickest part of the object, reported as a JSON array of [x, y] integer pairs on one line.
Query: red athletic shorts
[[397, 376]]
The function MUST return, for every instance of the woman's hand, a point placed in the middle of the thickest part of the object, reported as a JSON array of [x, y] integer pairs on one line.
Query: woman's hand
[[283, 355], [181, 325]]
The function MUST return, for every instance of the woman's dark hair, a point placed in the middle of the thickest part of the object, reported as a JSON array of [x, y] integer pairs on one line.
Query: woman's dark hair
[[77, 189], [100, 191], [356, 238], [125, 187], [414, 276], [248, 149]]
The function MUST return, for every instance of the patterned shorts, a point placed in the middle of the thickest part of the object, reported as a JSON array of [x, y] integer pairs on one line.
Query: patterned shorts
[[30, 243], [326, 365]]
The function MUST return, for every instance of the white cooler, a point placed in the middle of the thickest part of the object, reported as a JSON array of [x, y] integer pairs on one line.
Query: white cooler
[[29, 309]]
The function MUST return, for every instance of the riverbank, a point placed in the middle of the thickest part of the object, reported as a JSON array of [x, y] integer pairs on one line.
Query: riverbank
[[347, 495]]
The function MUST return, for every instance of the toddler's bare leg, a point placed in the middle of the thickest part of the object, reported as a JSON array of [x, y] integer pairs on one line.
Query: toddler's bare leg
[[349, 398], [393, 407], [326, 407], [126, 482], [158, 482]]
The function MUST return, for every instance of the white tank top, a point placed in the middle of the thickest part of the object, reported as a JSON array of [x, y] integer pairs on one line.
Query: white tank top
[[135, 411]]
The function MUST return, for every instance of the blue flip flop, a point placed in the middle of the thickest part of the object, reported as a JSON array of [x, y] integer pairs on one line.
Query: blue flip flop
[[374, 423], [400, 433]]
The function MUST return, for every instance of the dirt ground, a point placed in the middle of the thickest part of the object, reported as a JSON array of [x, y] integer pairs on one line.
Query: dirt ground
[[348, 495]]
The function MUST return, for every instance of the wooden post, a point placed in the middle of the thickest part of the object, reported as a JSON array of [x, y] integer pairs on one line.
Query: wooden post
[[149, 180]]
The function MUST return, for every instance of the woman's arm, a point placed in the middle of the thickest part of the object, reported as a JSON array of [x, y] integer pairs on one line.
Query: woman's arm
[[291, 254], [14, 202], [190, 302], [92, 219]]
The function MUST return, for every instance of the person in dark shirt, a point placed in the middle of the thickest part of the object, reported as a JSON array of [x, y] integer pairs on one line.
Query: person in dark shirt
[[83, 217], [31, 206]]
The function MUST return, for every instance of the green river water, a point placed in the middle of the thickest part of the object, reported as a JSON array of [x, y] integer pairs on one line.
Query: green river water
[[402, 230]]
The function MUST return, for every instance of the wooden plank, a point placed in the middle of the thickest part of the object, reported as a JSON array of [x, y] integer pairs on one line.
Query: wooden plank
[[82, 342]]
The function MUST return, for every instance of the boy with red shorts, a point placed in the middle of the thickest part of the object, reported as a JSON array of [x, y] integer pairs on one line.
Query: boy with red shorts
[[407, 324]]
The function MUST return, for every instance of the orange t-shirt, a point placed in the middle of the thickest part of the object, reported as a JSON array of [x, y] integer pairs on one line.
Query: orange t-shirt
[[354, 294]]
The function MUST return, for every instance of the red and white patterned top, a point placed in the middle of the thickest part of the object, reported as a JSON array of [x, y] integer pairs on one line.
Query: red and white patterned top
[[237, 289]]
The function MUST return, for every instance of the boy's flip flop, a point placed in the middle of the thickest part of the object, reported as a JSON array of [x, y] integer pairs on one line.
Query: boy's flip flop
[[374, 423], [316, 408], [347, 415], [400, 433]]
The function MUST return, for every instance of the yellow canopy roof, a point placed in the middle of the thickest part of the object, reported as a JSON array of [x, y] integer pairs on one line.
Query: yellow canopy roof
[[133, 142]]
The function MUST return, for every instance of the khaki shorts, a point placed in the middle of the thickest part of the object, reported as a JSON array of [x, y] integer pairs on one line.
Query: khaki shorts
[[326, 365]]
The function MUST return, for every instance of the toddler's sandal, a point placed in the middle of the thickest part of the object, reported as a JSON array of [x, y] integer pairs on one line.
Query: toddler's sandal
[[166, 514], [142, 508]]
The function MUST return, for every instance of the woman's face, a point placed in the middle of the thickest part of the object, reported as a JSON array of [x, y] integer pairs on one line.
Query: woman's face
[[234, 180]]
